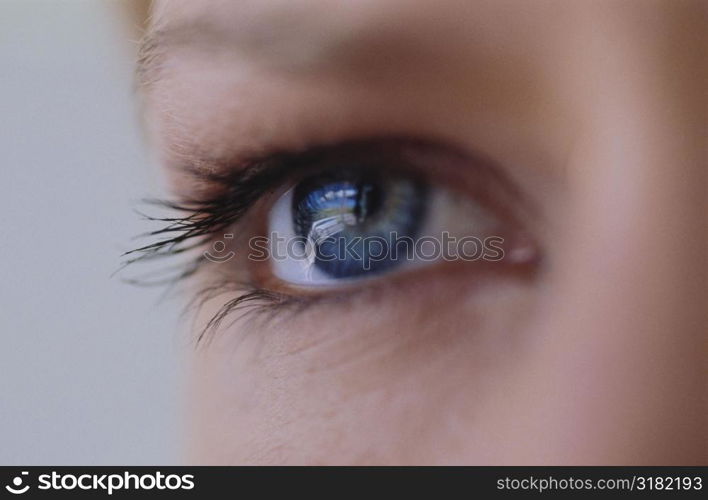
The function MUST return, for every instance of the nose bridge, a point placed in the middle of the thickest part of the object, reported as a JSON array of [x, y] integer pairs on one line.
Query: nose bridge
[[624, 330]]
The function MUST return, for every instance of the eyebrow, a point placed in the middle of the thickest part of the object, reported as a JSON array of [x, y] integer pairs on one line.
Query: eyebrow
[[304, 45], [291, 47]]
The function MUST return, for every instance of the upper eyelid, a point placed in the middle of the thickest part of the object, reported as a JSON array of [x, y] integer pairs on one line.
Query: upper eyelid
[[221, 174], [465, 171]]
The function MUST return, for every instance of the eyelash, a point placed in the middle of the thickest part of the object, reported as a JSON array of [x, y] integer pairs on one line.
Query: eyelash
[[236, 192], [202, 220]]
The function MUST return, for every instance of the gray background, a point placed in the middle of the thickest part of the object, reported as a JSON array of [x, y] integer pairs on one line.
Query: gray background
[[89, 365]]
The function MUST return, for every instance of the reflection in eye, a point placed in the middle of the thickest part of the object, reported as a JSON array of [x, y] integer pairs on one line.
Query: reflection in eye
[[356, 222], [338, 213]]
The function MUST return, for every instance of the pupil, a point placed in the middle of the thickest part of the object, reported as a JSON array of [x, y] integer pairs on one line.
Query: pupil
[[368, 201]]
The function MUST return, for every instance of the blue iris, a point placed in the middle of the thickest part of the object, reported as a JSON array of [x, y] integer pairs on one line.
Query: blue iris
[[357, 220]]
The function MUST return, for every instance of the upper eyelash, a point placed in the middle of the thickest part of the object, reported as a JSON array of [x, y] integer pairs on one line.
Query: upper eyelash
[[204, 217]]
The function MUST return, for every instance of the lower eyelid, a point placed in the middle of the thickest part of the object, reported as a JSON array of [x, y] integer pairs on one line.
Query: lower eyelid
[[264, 307]]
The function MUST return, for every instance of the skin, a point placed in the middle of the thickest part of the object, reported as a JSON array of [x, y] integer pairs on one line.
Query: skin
[[597, 112]]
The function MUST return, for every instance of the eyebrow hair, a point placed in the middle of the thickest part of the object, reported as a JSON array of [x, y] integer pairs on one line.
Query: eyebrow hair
[[148, 61], [291, 47], [209, 35]]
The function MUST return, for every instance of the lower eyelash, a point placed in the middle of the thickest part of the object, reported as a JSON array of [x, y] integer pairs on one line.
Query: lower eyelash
[[193, 226], [251, 303], [247, 303]]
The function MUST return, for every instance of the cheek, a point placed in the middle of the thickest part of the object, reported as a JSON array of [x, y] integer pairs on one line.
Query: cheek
[[399, 384]]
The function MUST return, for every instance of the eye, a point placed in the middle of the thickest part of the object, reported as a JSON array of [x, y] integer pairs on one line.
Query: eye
[[331, 216], [367, 216], [346, 224]]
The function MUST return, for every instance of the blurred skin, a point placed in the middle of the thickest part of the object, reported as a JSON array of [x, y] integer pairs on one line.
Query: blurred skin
[[596, 109]]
